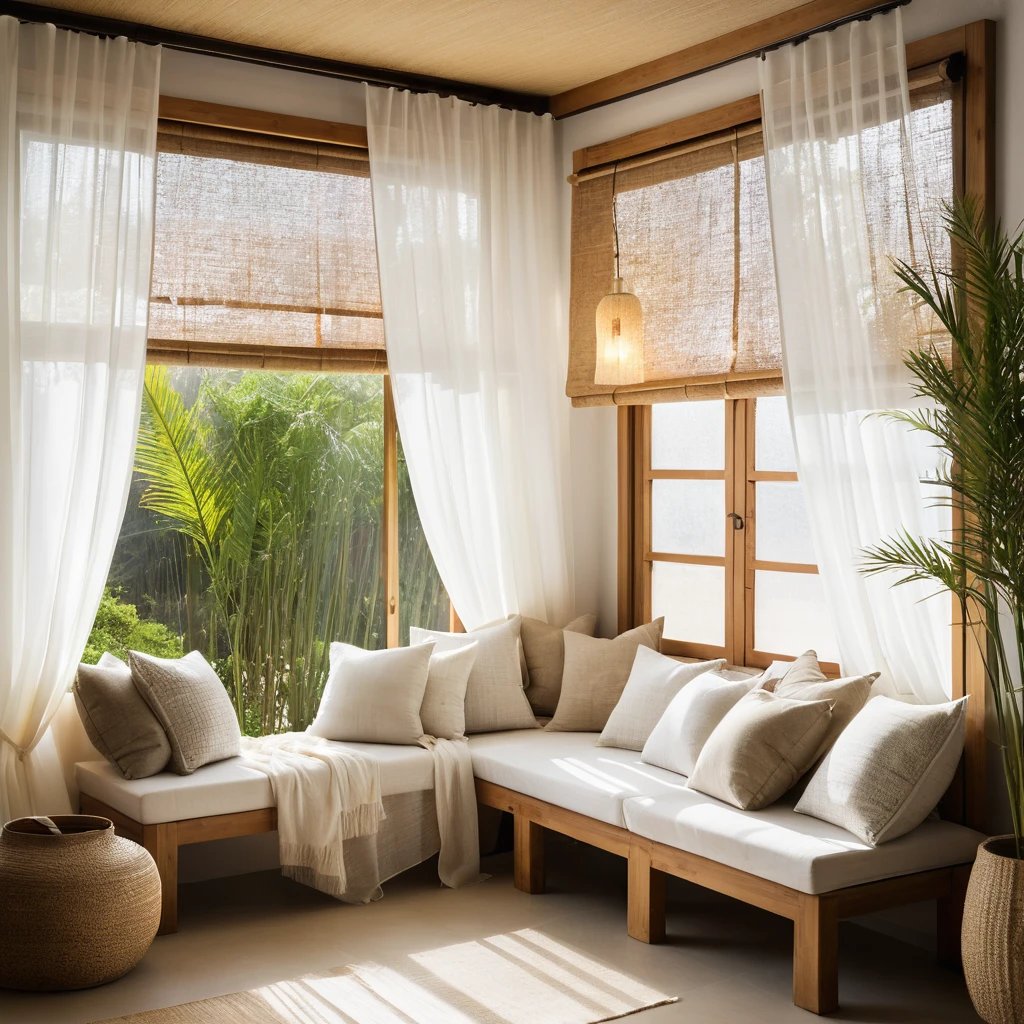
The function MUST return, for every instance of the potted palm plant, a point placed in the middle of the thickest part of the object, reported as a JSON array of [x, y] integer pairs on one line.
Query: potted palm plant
[[973, 408]]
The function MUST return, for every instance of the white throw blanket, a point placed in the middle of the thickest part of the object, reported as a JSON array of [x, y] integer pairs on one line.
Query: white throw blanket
[[455, 799], [327, 793]]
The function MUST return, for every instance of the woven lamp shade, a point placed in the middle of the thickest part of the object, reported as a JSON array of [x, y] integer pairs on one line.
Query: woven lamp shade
[[620, 338]]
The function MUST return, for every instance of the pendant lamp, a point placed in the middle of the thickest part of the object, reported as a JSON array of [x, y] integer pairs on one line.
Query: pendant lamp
[[620, 328]]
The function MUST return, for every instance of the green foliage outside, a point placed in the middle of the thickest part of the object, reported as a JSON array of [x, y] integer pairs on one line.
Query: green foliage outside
[[254, 530], [118, 629]]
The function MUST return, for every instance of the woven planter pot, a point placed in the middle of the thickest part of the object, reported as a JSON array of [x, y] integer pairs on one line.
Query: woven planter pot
[[78, 908], [993, 935]]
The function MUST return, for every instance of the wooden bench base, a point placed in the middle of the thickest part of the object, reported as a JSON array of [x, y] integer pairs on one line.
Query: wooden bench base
[[163, 840], [815, 917]]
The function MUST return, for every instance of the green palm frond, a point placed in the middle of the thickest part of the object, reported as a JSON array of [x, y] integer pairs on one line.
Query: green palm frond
[[973, 410], [184, 483]]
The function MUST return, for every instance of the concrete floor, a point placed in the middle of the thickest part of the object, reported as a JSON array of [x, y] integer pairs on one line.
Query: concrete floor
[[725, 961]]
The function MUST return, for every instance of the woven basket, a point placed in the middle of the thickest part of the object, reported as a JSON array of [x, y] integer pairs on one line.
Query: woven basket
[[993, 934], [79, 906]]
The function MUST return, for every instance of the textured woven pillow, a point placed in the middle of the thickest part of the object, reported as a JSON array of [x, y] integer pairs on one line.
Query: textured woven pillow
[[806, 681], [760, 748], [191, 704], [373, 696], [888, 769], [118, 721], [653, 682], [443, 712], [495, 700], [545, 658], [595, 675], [676, 741]]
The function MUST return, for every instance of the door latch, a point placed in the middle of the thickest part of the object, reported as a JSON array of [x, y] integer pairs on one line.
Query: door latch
[[737, 520]]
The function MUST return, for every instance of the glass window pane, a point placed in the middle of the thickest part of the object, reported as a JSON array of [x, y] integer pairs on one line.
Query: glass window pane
[[783, 532], [296, 555], [422, 599], [774, 437], [692, 599], [790, 615], [688, 435], [688, 516]]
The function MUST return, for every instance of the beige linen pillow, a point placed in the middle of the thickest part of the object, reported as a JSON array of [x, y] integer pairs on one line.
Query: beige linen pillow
[[118, 721], [495, 700], [595, 675], [191, 704], [443, 712], [653, 682], [373, 696], [888, 769], [545, 658], [806, 681], [676, 741], [760, 748]]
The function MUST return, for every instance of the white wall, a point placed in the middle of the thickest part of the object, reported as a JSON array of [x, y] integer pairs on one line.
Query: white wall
[[193, 76], [593, 433]]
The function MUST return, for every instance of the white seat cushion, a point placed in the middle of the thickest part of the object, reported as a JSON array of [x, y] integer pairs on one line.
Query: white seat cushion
[[229, 786], [570, 770], [793, 849]]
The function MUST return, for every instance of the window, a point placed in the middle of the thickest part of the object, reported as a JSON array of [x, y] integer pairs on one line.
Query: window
[[695, 247], [724, 542], [713, 531], [270, 513]]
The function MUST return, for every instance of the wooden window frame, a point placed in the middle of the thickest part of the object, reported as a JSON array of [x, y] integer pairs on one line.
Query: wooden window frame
[[740, 477], [973, 173]]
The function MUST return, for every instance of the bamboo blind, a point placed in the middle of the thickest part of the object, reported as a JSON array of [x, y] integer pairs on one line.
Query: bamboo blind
[[695, 247], [264, 253]]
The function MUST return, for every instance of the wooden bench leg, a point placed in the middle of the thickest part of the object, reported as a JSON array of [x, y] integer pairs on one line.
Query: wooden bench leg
[[949, 919], [645, 916], [162, 843], [528, 855], [816, 955]]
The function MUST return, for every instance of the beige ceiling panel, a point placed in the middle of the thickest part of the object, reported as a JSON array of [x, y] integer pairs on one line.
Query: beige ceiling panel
[[536, 46]]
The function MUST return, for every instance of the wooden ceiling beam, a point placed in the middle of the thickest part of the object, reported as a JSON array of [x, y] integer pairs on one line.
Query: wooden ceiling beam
[[733, 46]]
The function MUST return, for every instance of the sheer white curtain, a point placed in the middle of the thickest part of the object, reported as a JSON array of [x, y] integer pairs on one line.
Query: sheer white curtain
[[467, 243], [843, 199], [78, 124]]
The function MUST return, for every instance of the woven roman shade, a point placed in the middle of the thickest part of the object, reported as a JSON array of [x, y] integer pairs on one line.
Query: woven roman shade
[[264, 253], [695, 247]]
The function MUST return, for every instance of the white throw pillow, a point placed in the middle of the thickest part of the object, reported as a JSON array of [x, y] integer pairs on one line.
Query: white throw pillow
[[373, 696], [805, 681], [443, 712], [495, 700], [676, 741], [888, 768], [653, 681]]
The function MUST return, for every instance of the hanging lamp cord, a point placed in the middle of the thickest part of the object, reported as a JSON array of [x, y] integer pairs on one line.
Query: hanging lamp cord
[[615, 218]]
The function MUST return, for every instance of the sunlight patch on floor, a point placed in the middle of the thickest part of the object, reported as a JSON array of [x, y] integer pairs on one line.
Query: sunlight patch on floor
[[521, 977]]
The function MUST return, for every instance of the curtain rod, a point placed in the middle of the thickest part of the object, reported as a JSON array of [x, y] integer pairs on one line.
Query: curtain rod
[[189, 43], [867, 15]]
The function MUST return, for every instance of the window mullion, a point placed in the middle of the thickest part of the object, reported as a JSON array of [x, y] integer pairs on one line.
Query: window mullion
[[749, 545], [389, 525], [737, 412]]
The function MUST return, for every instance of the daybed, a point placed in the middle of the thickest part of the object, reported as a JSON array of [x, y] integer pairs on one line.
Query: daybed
[[790, 864]]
